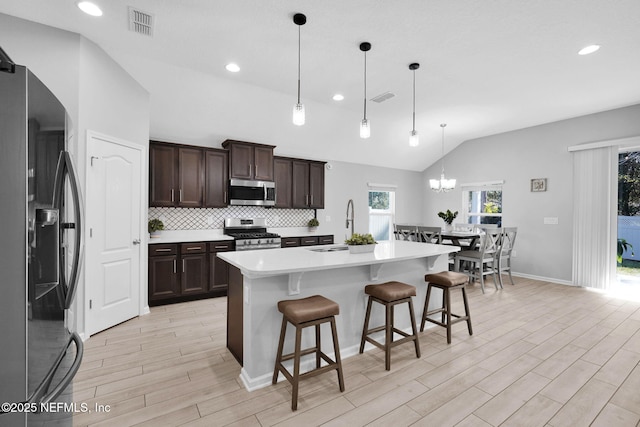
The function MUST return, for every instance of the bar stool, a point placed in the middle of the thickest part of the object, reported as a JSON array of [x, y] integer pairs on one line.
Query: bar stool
[[302, 313], [446, 280], [389, 294]]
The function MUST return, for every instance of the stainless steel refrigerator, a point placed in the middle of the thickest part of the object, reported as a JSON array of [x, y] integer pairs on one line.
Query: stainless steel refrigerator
[[40, 254]]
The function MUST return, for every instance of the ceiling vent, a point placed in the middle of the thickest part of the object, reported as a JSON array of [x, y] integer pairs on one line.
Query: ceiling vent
[[140, 22], [383, 97]]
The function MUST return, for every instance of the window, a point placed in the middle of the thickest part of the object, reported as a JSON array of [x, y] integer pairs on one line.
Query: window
[[382, 210], [482, 203]]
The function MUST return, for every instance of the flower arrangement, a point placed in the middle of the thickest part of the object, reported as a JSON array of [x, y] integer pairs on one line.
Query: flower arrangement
[[313, 222], [448, 216]]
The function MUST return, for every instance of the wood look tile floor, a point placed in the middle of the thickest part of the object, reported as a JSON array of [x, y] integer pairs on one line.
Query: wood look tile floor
[[542, 354]]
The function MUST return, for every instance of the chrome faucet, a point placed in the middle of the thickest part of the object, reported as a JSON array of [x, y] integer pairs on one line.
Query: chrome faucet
[[350, 220]]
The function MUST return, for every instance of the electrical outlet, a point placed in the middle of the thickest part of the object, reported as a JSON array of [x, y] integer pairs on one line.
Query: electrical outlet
[[551, 220], [210, 220]]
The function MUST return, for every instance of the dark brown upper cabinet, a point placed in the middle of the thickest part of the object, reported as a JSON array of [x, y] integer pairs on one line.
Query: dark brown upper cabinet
[[216, 172], [283, 178], [307, 186], [176, 174], [250, 161]]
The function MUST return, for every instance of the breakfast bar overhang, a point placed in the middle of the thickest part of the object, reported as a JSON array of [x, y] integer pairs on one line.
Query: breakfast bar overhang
[[259, 279]]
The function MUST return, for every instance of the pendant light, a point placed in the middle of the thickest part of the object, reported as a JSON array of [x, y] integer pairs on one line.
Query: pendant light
[[365, 128], [414, 139], [298, 110], [442, 184]]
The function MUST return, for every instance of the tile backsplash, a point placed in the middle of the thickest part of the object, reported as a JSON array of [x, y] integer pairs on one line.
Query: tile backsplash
[[202, 218]]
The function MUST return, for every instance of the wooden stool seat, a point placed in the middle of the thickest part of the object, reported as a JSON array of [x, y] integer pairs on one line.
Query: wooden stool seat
[[447, 278], [390, 291], [302, 313], [446, 281], [307, 309], [389, 294]]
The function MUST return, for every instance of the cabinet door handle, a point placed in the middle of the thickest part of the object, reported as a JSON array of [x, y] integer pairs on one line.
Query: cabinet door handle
[[183, 260], [194, 248], [221, 247], [162, 250], [256, 171], [174, 266], [290, 243], [225, 197], [250, 169], [172, 198], [311, 200], [180, 195]]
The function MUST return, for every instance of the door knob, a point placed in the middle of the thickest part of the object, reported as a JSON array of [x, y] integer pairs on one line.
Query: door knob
[[136, 242]]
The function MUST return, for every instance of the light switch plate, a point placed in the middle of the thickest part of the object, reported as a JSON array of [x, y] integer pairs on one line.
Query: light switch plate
[[551, 220]]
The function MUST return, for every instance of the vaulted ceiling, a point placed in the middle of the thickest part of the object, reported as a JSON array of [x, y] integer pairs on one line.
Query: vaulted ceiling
[[486, 67]]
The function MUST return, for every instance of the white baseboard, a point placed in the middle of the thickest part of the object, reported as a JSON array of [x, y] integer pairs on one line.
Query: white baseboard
[[543, 279]]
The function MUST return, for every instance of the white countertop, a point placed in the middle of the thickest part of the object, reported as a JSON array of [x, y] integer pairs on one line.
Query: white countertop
[[273, 262], [178, 236]]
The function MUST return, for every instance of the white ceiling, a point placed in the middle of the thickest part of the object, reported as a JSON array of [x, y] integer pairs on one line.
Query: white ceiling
[[487, 66]]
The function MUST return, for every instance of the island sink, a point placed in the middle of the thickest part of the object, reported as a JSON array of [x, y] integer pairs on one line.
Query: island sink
[[331, 249]]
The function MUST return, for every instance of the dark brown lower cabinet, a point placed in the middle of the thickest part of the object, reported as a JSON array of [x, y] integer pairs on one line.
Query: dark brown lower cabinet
[[186, 271], [292, 242], [163, 281], [194, 275], [218, 269]]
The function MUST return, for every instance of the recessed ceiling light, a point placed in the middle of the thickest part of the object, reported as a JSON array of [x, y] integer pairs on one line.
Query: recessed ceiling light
[[338, 97], [90, 8], [588, 49], [234, 68]]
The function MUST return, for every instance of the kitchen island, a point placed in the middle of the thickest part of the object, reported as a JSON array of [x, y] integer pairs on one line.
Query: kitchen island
[[259, 279]]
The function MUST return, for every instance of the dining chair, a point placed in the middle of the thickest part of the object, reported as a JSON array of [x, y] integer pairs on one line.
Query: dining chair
[[405, 232], [482, 262], [504, 254], [429, 234]]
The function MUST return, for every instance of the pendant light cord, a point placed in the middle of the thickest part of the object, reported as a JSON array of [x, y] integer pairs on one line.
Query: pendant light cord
[[442, 126], [299, 64], [414, 100], [365, 85]]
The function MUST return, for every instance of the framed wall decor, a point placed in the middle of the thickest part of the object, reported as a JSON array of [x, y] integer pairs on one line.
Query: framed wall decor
[[539, 184]]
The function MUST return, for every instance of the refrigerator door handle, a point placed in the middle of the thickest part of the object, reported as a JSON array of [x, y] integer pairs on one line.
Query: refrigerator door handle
[[65, 169], [39, 396]]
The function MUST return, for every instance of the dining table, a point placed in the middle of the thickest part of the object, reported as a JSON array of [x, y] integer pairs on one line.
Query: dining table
[[464, 239]]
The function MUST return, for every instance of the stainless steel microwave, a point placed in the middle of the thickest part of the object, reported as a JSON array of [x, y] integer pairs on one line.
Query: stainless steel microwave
[[252, 193]]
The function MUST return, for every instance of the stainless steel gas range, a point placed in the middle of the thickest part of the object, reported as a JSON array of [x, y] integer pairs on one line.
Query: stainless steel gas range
[[250, 233]]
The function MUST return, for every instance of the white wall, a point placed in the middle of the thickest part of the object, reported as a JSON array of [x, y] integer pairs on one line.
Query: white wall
[[346, 181], [516, 157], [97, 93]]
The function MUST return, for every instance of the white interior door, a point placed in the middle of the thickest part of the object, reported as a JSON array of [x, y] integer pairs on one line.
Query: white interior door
[[113, 242]]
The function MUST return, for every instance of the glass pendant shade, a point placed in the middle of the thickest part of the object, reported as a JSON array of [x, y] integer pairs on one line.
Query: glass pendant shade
[[365, 129], [414, 139], [298, 114]]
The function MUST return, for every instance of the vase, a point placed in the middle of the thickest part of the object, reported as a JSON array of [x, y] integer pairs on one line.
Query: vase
[[361, 249], [448, 228]]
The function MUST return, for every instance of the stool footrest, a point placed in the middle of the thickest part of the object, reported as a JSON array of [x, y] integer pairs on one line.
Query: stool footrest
[[302, 353]]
